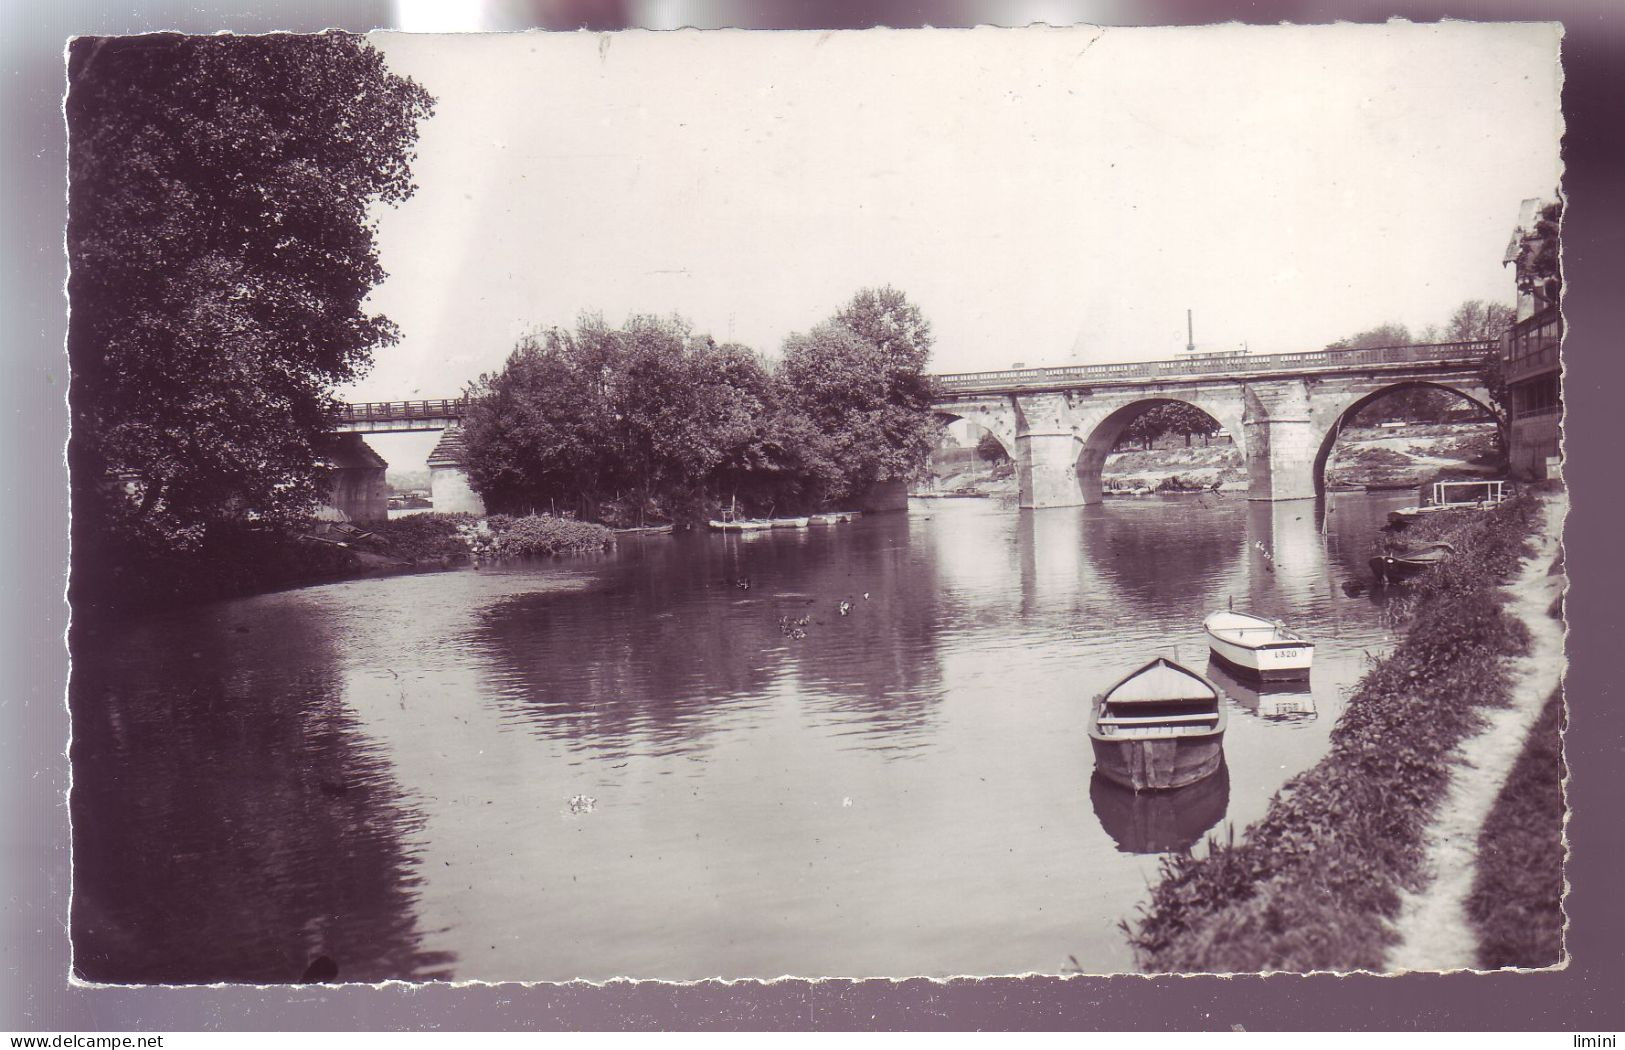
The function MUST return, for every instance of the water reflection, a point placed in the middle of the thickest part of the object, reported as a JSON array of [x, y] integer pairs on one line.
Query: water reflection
[[382, 770], [1289, 701], [683, 636], [1160, 821], [231, 822], [1140, 546]]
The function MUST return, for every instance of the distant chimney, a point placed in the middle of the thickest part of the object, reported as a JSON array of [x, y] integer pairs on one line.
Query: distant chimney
[[1190, 334]]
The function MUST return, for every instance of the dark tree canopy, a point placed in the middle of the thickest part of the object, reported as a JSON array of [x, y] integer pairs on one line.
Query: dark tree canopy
[[860, 379], [221, 251], [621, 424], [991, 449], [1168, 417]]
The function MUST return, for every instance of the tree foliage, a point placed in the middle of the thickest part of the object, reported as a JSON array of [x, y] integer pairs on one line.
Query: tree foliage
[[991, 450], [1479, 319], [1539, 260], [648, 419], [221, 252], [860, 380], [1392, 333], [1168, 417]]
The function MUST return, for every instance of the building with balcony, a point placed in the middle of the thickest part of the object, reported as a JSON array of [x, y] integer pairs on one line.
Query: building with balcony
[[1531, 359]]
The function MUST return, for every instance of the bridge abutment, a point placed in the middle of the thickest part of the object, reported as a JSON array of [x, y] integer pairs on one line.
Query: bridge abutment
[[1047, 467], [449, 486]]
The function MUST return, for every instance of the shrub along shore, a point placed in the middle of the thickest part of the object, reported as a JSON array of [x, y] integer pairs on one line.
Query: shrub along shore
[[1316, 883]]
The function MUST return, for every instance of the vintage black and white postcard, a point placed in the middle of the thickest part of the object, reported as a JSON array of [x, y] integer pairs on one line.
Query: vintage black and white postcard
[[853, 504]]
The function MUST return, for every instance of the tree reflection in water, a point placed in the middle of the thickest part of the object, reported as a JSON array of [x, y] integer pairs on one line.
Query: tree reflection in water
[[682, 635], [229, 822]]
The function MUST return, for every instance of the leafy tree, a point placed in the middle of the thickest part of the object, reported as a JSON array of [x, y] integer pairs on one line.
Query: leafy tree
[[1168, 417], [221, 253], [622, 423], [619, 423], [860, 380], [1479, 319], [991, 450], [1540, 256], [1390, 334]]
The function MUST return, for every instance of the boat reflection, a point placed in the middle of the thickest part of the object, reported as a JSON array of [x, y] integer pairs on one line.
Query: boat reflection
[[1160, 821], [1287, 701]]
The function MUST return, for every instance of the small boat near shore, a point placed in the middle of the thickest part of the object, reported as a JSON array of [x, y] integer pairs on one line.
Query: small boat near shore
[[1398, 566], [745, 525], [1450, 495], [790, 523], [1258, 646], [1159, 727]]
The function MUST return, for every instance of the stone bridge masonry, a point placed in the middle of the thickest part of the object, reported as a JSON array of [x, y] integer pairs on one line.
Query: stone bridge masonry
[[1283, 411]]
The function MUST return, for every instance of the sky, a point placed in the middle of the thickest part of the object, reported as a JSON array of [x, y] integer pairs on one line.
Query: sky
[[1045, 196]]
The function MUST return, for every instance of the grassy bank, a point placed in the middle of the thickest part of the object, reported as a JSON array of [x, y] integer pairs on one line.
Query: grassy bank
[[1316, 882], [1516, 904]]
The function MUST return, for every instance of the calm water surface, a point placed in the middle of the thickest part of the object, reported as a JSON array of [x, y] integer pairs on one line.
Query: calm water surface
[[622, 766]]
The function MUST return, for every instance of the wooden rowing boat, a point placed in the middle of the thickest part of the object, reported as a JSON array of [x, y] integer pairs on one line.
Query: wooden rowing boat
[[1404, 564], [1159, 727]]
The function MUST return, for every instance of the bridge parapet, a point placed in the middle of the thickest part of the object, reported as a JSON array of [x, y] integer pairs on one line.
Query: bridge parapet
[[1240, 366], [385, 416]]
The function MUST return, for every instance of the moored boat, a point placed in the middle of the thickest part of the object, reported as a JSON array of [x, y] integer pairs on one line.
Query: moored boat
[[1413, 561], [1159, 727], [823, 519], [1450, 495], [1259, 646], [747, 525], [790, 523]]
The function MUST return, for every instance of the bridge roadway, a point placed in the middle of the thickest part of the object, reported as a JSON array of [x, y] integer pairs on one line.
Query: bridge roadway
[[1282, 410]]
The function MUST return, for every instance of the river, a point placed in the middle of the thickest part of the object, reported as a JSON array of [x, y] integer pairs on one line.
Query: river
[[622, 765]]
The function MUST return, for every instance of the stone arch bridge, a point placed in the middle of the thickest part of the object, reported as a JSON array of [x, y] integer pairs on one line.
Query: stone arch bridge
[[1282, 410]]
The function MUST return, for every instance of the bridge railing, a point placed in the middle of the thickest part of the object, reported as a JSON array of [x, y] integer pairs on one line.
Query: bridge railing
[[1440, 353], [402, 411]]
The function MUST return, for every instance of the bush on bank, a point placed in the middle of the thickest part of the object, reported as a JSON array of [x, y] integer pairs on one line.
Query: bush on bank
[[543, 534], [423, 537], [1315, 883], [436, 537]]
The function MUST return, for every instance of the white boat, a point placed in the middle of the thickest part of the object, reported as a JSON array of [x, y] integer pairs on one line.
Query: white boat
[[1259, 646]]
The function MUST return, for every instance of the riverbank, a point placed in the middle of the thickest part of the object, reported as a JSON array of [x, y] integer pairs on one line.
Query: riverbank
[[1486, 875], [241, 559], [1319, 882], [1380, 457]]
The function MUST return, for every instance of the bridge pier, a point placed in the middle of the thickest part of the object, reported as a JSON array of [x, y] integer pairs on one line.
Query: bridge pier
[[1047, 467], [448, 476], [1281, 459]]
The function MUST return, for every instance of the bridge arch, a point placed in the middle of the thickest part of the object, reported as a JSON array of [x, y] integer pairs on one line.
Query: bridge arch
[[998, 420], [1331, 419], [1101, 438]]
